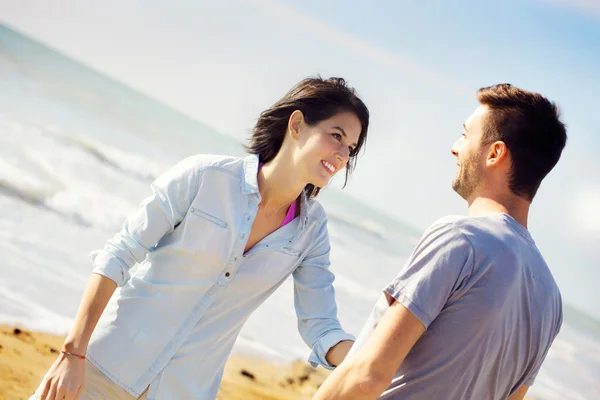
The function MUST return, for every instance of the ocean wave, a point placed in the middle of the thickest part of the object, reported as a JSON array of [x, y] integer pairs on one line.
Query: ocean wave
[[29, 194], [38, 196], [32, 187], [129, 163], [134, 165], [74, 176]]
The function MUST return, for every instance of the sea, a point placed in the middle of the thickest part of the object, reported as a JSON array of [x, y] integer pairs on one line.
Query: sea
[[78, 151]]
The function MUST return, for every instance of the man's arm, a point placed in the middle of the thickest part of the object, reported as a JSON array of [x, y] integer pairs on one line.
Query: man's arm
[[368, 373], [520, 393]]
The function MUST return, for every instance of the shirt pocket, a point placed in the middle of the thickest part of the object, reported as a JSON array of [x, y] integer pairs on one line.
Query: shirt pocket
[[284, 261], [208, 236], [290, 251], [268, 268], [209, 217]]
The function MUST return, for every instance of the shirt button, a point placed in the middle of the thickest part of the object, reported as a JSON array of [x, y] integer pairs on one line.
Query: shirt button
[[234, 258], [227, 273], [243, 236], [248, 218]]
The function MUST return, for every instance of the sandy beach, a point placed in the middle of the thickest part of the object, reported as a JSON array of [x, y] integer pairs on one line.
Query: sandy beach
[[25, 357]]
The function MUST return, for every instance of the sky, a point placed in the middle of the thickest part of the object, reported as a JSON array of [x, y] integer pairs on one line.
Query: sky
[[416, 65]]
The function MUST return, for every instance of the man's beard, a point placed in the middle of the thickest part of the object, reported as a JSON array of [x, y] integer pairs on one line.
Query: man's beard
[[467, 179]]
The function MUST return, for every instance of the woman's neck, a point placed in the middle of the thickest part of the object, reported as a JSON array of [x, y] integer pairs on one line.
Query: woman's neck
[[278, 187]]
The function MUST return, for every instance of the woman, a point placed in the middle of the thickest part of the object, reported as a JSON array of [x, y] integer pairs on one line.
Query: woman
[[214, 240]]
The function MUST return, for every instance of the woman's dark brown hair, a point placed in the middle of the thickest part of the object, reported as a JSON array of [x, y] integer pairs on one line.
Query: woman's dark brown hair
[[318, 99]]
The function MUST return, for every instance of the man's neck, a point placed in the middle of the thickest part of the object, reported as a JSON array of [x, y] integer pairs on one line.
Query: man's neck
[[515, 206]]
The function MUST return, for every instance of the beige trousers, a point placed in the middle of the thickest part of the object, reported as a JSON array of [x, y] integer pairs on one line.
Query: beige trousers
[[99, 387]]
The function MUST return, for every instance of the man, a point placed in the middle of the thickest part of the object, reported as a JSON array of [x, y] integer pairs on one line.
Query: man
[[475, 310]]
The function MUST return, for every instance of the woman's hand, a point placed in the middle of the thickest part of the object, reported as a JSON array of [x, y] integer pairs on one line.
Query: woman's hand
[[64, 380]]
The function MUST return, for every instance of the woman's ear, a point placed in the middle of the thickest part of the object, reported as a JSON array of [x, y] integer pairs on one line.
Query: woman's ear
[[295, 122]]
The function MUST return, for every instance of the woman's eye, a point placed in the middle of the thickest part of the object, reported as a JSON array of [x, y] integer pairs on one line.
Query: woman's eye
[[337, 136]]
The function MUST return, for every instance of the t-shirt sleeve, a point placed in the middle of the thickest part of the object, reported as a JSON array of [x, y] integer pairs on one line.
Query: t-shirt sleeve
[[434, 272]]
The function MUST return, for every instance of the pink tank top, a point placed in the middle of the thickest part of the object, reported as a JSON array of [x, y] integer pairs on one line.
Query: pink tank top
[[291, 214]]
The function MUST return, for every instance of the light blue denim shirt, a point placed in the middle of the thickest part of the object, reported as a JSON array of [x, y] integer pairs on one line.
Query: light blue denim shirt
[[173, 323]]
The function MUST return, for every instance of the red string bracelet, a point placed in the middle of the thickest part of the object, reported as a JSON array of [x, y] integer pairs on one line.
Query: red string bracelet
[[73, 355]]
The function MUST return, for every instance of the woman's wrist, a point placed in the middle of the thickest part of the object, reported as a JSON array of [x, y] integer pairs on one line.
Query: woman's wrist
[[77, 346], [73, 355], [338, 353]]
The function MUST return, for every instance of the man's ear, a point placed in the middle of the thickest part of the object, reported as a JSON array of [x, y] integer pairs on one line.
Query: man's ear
[[496, 154]]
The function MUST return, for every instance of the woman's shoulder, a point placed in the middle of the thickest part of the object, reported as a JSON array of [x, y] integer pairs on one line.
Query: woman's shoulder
[[316, 210], [207, 162]]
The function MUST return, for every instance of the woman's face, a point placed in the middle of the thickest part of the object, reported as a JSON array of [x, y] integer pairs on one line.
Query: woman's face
[[324, 148]]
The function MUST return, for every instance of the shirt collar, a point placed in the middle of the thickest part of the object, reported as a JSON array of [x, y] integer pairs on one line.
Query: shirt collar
[[250, 186], [250, 183]]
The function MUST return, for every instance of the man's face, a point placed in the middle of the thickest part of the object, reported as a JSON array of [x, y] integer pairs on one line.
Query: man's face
[[469, 155]]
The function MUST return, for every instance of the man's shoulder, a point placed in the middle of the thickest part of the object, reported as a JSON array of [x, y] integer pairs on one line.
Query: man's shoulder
[[463, 222], [449, 221], [446, 233], [449, 226], [490, 226], [467, 232]]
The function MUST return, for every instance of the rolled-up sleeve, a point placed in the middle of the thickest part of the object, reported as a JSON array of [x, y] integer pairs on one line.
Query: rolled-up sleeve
[[158, 214], [314, 299]]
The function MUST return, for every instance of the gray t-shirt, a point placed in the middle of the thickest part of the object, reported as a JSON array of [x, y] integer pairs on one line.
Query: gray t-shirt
[[490, 305]]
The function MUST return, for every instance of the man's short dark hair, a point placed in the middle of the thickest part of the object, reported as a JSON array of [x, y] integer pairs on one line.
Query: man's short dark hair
[[530, 126]]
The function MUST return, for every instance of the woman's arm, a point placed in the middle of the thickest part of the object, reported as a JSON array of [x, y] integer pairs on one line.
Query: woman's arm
[[159, 213], [98, 291], [65, 378], [338, 353], [316, 309]]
